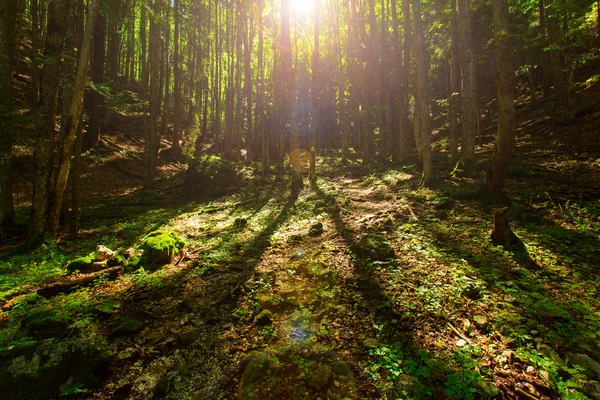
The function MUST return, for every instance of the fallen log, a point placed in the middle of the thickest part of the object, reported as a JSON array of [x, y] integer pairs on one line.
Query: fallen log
[[71, 285]]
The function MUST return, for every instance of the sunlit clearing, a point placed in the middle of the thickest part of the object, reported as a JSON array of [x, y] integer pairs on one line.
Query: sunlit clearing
[[302, 7]]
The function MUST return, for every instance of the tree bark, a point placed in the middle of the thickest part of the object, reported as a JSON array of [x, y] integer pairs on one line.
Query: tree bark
[[7, 45], [315, 96], [71, 123], [422, 119], [151, 142], [454, 112], [45, 141], [92, 134], [502, 235], [177, 81], [469, 87], [505, 83]]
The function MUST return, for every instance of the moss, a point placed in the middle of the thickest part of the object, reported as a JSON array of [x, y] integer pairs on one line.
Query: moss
[[240, 314], [209, 176], [258, 366], [81, 263], [160, 248], [264, 318], [46, 323], [375, 248]]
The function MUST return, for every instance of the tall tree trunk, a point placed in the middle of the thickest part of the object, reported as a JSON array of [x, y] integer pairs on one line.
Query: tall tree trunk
[[71, 122], [384, 140], [315, 96], [92, 134], [422, 120], [248, 42], [404, 85], [290, 95], [167, 74], [151, 142], [558, 76], [58, 12], [35, 50], [260, 112], [454, 88], [7, 45], [177, 81], [505, 83], [546, 68], [469, 87]]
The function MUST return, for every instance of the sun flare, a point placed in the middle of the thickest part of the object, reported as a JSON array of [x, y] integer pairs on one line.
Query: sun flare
[[302, 7]]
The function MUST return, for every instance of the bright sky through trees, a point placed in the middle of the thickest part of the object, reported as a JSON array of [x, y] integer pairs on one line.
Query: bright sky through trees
[[302, 7]]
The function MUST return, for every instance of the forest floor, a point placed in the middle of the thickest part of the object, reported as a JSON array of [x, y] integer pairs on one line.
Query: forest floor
[[274, 299]]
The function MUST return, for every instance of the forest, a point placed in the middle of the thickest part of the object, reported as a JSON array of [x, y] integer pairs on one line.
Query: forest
[[299, 199]]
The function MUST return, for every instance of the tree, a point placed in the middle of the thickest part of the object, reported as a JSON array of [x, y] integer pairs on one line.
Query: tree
[[71, 124], [315, 96], [7, 44], [468, 93], [422, 118], [290, 97], [505, 83], [45, 136]]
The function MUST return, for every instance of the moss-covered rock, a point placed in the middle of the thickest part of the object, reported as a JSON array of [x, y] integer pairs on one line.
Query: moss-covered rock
[[46, 323], [240, 314], [264, 318], [374, 248], [81, 264], [258, 365], [209, 176], [319, 376], [45, 371], [127, 328], [160, 248]]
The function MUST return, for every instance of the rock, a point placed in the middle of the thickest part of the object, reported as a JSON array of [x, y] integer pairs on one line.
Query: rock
[[209, 176], [264, 318], [240, 314], [160, 248], [316, 229], [443, 203], [272, 303], [481, 321], [591, 367], [461, 343], [591, 389], [374, 248], [108, 307], [162, 387], [129, 354], [371, 343], [46, 324], [550, 354], [534, 332], [406, 385], [187, 338], [342, 369], [554, 338], [44, 371], [240, 223], [127, 328], [472, 290], [154, 338], [81, 264], [319, 376], [258, 366], [589, 346], [103, 253]]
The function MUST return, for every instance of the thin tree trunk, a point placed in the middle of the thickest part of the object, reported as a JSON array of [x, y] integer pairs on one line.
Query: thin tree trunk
[[72, 120], [404, 86], [35, 50], [151, 142], [546, 69], [505, 82], [454, 89], [315, 96], [469, 87], [177, 81], [44, 146], [7, 44], [92, 135], [422, 121]]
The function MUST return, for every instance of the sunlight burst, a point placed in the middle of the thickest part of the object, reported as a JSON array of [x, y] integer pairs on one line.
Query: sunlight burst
[[302, 7]]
